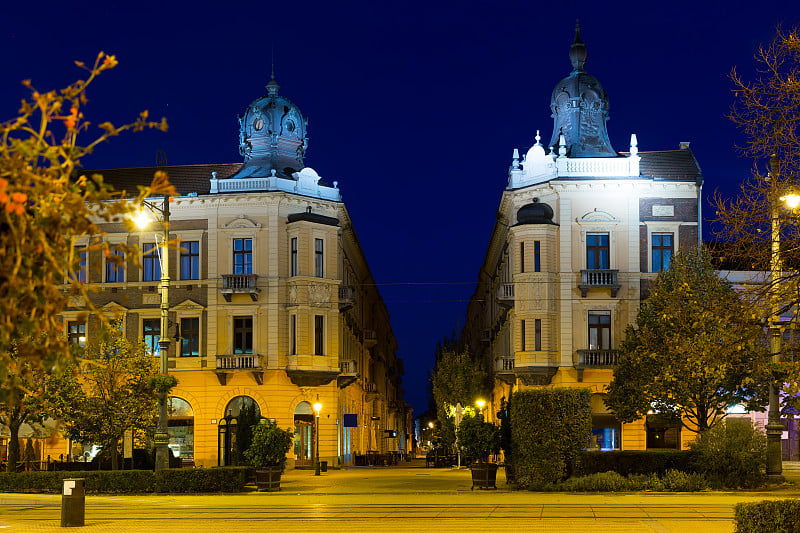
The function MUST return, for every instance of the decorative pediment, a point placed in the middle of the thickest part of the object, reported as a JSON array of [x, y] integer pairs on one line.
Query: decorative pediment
[[188, 305], [597, 216], [113, 308], [241, 222]]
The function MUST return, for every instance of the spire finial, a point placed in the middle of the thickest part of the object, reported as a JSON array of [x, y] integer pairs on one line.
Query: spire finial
[[272, 86], [577, 52]]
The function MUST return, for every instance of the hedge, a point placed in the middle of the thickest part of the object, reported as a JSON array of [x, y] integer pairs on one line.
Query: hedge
[[671, 481], [778, 516], [229, 479], [636, 462], [549, 428]]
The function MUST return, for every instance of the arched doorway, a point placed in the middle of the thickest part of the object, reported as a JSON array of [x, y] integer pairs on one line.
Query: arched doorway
[[235, 428], [303, 435], [180, 427]]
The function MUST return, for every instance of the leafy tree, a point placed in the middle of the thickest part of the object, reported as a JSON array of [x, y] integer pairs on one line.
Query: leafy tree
[[246, 422], [113, 393], [457, 378], [47, 207], [697, 348]]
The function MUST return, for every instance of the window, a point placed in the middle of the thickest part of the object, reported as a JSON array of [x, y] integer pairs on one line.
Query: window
[[537, 334], [537, 261], [80, 275], [319, 259], [151, 330], [242, 334], [522, 335], [522, 257], [599, 330], [294, 257], [115, 273], [293, 334], [190, 260], [151, 265], [76, 333], [597, 251], [242, 256], [319, 335], [190, 337], [662, 251]]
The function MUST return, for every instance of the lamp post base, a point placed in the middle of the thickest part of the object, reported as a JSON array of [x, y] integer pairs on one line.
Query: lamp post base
[[774, 450]]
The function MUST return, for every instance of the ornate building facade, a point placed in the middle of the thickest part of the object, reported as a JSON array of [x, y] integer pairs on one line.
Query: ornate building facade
[[581, 229], [271, 302]]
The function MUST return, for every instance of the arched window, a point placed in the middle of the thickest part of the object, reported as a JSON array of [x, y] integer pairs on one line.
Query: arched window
[[235, 430], [180, 427], [303, 437]]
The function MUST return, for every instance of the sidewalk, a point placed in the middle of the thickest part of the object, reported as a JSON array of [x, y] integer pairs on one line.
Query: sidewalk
[[406, 498]]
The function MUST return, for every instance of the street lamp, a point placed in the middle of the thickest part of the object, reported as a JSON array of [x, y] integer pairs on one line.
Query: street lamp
[[317, 408], [161, 437], [774, 427], [480, 404]]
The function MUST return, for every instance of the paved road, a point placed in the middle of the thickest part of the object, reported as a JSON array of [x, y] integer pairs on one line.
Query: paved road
[[394, 499]]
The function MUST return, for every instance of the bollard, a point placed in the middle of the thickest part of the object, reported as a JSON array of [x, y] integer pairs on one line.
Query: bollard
[[73, 503], [323, 466]]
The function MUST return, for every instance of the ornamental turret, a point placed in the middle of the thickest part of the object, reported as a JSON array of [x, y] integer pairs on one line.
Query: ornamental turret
[[580, 109], [272, 136]]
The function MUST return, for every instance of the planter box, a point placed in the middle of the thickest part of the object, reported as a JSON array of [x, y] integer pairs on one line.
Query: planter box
[[268, 478], [484, 475]]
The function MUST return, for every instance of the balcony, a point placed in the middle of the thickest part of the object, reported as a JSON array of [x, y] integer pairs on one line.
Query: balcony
[[486, 336], [504, 369], [347, 297], [371, 390], [370, 338], [595, 359], [227, 364], [505, 294], [599, 279], [349, 373], [239, 284]]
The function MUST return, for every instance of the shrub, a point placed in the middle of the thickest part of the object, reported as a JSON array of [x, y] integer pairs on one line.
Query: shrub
[[778, 516], [549, 427], [636, 462], [732, 454], [102, 481], [477, 438], [269, 446], [229, 479], [222, 479], [673, 480]]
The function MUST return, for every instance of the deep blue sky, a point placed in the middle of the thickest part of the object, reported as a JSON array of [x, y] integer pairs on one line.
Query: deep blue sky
[[414, 107]]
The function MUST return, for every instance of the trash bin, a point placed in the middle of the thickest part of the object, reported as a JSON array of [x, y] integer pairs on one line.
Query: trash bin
[[323, 466], [73, 503]]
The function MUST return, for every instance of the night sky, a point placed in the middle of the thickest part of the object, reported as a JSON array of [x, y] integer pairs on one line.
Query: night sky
[[413, 107]]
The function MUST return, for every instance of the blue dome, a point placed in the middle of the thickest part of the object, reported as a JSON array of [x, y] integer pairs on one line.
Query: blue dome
[[272, 136]]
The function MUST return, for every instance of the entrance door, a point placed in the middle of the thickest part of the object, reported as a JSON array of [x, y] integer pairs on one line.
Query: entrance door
[[303, 450]]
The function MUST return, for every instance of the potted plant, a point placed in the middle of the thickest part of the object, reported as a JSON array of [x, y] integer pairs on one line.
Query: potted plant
[[478, 440], [267, 453]]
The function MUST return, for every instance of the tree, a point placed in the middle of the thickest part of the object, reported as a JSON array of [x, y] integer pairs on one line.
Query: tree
[[766, 108], [113, 393], [457, 378], [47, 207], [697, 349]]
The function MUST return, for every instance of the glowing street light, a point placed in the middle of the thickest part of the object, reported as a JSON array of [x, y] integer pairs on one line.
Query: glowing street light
[[142, 219], [480, 404], [317, 408]]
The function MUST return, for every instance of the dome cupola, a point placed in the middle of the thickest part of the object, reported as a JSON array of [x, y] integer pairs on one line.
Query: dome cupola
[[535, 213], [272, 136], [580, 109]]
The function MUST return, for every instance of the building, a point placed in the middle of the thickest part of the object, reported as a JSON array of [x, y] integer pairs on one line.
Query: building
[[271, 301], [581, 229]]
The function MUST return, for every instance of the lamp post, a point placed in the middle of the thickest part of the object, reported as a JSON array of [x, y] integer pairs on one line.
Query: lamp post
[[774, 427], [317, 408], [161, 436]]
